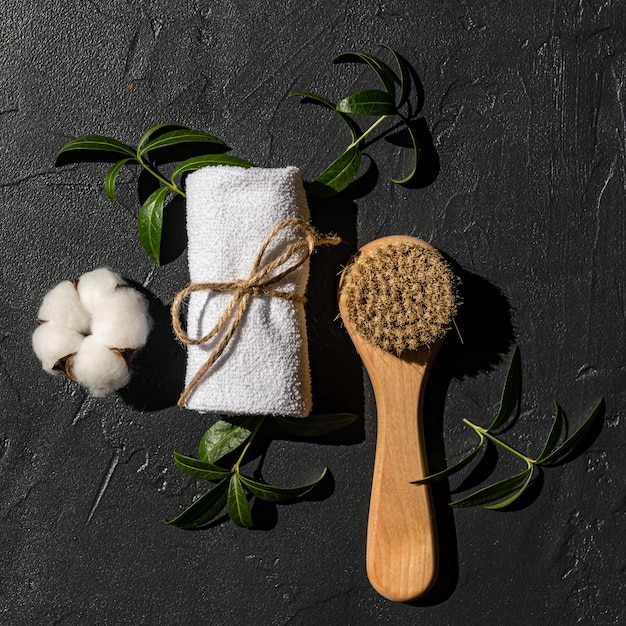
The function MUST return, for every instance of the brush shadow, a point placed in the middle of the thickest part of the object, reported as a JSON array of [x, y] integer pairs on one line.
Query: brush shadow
[[484, 323], [485, 329], [434, 405]]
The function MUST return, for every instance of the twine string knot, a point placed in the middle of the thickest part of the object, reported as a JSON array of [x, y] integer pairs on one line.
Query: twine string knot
[[261, 281]]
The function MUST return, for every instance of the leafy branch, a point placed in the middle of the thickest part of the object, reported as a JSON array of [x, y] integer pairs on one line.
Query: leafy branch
[[386, 103], [232, 489], [150, 146], [555, 449]]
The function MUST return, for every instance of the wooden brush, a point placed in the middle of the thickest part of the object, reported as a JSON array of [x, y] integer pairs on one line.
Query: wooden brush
[[397, 299]]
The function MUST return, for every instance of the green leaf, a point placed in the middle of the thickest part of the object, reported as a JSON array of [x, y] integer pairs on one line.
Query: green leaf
[[405, 75], [576, 438], [355, 131], [553, 435], [416, 155], [369, 102], [195, 163], [111, 176], [504, 503], [159, 128], [97, 143], [383, 71], [199, 469], [493, 492], [204, 509], [453, 469], [338, 175], [313, 97], [176, 137], [224, 437], [315, 425], [511, 391], [237, 503], [150, 223], [271, 493]]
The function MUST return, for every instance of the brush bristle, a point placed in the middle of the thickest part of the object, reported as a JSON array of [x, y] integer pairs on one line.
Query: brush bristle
[[400, 296]]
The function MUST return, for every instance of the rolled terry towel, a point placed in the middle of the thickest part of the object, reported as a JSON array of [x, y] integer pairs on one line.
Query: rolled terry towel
[[264, 368]]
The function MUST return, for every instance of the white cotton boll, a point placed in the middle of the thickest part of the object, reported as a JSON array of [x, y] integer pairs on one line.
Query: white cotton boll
[[93, 287], [52, 342], [99, 369], [62, 305], [122, 320]]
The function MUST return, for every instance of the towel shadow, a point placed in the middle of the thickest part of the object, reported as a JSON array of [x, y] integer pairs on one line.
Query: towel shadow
[[159, 367], [336, 372]]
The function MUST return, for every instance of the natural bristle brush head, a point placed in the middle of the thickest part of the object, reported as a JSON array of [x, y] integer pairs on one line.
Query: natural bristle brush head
[[400, 296], [397, 299]]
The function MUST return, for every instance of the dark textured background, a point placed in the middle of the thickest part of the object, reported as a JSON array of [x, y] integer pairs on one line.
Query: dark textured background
[[525, 105]]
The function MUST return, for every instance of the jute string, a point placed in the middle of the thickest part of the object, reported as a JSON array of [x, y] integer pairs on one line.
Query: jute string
[[260, 282]]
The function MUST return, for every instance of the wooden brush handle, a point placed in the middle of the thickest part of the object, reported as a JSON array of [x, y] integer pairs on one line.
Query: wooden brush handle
[[402, 554], [402, 559]]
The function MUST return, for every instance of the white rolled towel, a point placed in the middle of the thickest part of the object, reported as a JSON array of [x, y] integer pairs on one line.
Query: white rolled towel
[[264, 368]]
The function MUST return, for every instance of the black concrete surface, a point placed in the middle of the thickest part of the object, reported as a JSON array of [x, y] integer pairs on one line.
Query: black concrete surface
[[523, 187]]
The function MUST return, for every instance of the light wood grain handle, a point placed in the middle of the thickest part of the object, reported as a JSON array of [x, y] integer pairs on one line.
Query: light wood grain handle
[[402, 555]]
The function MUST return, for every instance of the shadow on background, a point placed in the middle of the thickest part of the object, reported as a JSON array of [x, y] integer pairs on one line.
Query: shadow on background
[[484, 323], [428, 165], [159, 367], [336, 371]]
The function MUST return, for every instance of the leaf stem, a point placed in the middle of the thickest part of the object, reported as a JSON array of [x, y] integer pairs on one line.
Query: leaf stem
[[247, 446], [373, 127], [506, 446], [175, 188]]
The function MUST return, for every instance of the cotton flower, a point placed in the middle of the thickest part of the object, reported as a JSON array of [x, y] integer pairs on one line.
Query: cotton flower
[[53, 343], [96, 286], [122, 320], [91, 328], [98, 368], [62, 305]]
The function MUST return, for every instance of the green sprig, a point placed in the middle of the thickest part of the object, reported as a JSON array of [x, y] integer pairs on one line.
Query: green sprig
[[232, 489], [505, 492], [385, 104], [157, 138]]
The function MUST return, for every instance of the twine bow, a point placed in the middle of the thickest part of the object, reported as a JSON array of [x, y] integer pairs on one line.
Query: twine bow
[[260, 282]]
